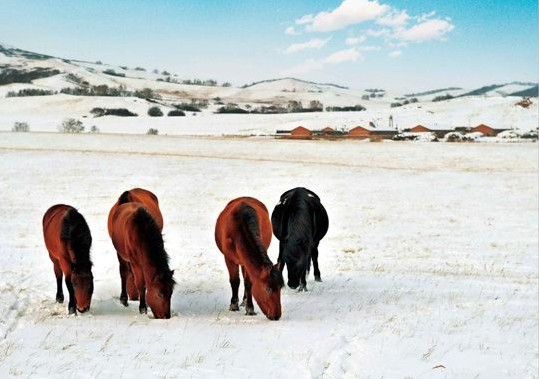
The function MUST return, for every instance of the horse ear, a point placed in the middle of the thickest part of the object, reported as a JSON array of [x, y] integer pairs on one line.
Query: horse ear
[[171, 272], [73, 267]]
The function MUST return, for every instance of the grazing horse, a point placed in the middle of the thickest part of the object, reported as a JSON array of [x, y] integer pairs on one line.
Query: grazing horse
[[135, 195], [243, 234], [299, 222], [68, 241], [138, 241]]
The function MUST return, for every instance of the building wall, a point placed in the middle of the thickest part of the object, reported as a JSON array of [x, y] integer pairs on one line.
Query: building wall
[[486, 130]]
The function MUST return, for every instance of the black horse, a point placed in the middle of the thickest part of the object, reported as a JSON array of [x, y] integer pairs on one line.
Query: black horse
[[299, 222]]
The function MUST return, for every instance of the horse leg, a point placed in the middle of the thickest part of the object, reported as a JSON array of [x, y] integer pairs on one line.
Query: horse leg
[[302, 283], [234, 275], [314, 255], [249, 307], [244, 299], [280, 262], [72, 306], [124, 272], [58, 274], [141, 285], [132, 290]]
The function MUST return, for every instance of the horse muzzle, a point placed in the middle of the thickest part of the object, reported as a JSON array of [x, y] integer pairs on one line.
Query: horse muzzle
[[83, 309]]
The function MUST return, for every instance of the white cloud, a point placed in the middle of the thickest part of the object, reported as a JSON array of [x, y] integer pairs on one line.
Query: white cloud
[[370, 48], [308, 18], [394, 19], [304, 68], [350, 12], [347, 55], [425, 31], [395, 54], [315, 43], [338, 57], [291, 31], [379, 32], [351, 41], [425, 16]]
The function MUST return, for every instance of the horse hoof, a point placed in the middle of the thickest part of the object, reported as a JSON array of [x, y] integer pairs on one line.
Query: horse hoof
[[123, 300], [250, 312], [317, 278], [143, 310], [72, 311], [302, 289], [234, 307], [60, 299]]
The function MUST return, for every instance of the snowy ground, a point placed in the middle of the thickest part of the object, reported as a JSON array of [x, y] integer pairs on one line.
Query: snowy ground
[[429, 266]]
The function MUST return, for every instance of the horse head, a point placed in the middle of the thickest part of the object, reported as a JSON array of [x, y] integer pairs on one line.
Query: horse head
[[297, 257], [159, 292], [267, 292], [83, 285]]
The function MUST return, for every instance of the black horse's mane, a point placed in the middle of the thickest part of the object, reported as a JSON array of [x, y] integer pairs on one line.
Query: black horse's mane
[[76, 232], [151, 235]]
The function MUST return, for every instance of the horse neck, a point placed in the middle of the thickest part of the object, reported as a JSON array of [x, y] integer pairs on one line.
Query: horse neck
[[254, 261], [149, 268]]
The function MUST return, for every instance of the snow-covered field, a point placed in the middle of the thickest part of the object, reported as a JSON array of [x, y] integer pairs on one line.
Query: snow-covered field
[[429, 266]]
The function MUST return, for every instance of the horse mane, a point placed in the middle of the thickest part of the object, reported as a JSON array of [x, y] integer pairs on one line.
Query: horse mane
[[248, 219], [124, 198], [76, 232], [150, 234]]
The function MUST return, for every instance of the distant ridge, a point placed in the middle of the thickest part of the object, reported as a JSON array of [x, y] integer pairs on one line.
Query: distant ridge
[[432, 92], [296, 79], [530, 92], [492, 87]]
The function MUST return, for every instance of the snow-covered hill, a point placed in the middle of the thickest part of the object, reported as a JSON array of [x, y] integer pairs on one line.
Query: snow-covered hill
[[489, 104]]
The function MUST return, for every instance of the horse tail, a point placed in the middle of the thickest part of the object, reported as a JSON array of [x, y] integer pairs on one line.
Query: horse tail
[[76, 233], [124, 198], [250, 235]]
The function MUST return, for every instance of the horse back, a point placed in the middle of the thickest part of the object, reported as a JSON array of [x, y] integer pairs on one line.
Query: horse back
[[228, 228], [138, 195], [53, 221]]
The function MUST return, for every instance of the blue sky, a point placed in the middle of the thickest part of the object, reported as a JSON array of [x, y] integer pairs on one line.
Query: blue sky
[[394, 44]]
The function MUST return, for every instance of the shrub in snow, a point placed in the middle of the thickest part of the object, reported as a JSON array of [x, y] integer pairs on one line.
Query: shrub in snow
[[94, 130], [532, 134], [152, 132], [509, 134], [155, 112], [454, 137], [20, 127], [122, 112], [176, 113], [71, 125]]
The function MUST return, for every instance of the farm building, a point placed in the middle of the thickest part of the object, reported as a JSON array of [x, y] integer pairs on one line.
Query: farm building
[[439, 132], [488, 130], [372, 133], [301, 133]]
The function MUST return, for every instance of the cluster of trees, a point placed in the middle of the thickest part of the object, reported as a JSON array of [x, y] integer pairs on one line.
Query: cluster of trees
[[349, 108], [10, 75], [405, 102], [111, 72], [122, 112], [30, 92], [20, 127], [104, 90], [443, 97]]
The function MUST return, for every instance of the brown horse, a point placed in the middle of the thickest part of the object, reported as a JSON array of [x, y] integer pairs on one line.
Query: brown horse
[[243, 234], [135, 195], [68, 241], [139, 243]]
